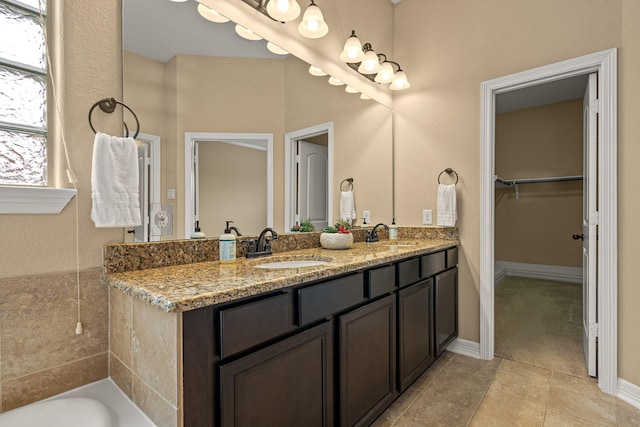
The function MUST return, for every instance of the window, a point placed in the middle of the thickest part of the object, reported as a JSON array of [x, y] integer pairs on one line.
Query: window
[[23, 94]]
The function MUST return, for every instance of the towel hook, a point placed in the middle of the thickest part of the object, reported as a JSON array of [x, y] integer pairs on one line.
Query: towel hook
[[348, 181], [449, 171], [108, 105]]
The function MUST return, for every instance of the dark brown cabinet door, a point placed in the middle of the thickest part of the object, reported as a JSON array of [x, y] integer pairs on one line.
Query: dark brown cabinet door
[[288, 384], [367, 361], [446, 307], [415, 332]]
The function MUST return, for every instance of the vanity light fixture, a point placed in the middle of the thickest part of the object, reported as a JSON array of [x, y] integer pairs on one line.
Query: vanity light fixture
[[246, 33], [313, 25], [374, 66], [335, 82], [283, 10], [211, 15], [315, 71], [273, 48]]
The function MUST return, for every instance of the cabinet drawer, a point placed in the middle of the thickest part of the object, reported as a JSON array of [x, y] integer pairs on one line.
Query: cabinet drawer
[[250, 324], [433, 263], [325, 299], [452, 257], [408, 272], [381, 281]]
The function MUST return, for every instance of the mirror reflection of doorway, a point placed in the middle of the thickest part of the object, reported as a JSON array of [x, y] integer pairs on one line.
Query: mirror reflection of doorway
[[149, 189], [309, 176]]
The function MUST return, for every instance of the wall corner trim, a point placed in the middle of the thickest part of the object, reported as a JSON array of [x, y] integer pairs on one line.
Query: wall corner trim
[[629, 392], [465, 348]]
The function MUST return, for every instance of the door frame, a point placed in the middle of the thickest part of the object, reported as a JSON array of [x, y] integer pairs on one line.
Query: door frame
[[259, 141], [154, 190], [605, 64], [290, 140]]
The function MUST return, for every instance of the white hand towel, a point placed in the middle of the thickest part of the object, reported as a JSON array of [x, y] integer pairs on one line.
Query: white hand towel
[[447, 211], [114, 182], [347, 206]]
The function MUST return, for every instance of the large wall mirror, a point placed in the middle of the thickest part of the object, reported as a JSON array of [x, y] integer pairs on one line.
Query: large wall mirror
[[185, 76]]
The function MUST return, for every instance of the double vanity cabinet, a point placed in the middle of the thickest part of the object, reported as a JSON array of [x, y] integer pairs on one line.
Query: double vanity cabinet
[[336, 351]]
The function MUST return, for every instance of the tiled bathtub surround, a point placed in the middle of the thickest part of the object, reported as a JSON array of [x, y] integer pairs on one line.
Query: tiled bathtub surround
[[119, 258], [40, 354]]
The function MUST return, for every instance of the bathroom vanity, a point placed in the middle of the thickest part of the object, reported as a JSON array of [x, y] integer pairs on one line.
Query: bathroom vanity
[[333, 344]]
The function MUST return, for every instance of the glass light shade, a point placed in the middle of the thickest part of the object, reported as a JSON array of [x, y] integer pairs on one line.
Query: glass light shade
[[370, 64], [283, 10], [386, 73], [401, 82], [210, 14], [350, 89], [365, 97], [273, 48], [313, 25], [315, 71], [335, 82], [246, 34], [352, 51]]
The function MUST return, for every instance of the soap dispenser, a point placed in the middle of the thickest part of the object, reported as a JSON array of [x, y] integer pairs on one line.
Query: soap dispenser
[[197, 234], [227, 245], [393, 230]]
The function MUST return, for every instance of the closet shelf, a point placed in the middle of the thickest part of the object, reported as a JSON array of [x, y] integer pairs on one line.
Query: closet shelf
[[502, 183]]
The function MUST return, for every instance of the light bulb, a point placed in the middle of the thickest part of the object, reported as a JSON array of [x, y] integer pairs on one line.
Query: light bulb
[[273, 48], [352, 52], [283, 10], [351, 89], [335, 82], [370, 64], [386, 73], [401, 82], [365, 97], [210, 14], [313, 25], [315, 71]]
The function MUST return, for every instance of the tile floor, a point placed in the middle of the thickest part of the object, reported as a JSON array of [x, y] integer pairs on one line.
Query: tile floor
[[538, 381]]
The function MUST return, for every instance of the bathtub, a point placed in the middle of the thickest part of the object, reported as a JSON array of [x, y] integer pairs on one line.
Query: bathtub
[[99, 404]]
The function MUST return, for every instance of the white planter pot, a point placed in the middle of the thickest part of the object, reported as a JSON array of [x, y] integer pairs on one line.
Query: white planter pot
[[336, 240]]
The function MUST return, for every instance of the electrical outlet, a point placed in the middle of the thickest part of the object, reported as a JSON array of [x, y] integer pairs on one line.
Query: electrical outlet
[[171, 193], [427, 217], [366, 216]]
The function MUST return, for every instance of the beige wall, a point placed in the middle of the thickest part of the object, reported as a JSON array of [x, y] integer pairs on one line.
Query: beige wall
[[458, 44], [233, 187], [536, 227]]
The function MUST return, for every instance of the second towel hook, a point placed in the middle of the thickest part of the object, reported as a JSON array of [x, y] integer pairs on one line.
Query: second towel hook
[[449, 171], [349, 181]]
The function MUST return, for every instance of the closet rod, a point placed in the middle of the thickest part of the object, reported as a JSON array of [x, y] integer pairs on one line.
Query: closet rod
[[538, 180]]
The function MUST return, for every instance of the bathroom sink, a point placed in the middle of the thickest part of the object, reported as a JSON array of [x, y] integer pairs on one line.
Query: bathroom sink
[[291, 262]]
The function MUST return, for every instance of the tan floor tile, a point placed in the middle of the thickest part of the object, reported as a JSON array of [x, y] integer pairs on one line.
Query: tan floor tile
[[398, 407], [508, 411], [588, 387], [555, 418], [526, 372], [432, 409], [509, 384], [587, 407], [426, 379], [627, 415]]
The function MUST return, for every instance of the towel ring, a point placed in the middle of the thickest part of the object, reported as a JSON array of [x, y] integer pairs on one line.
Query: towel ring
[[348, 181], [449, 171], [108, 105]]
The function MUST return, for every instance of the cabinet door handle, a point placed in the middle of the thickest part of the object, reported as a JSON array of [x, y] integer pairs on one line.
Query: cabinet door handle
[[578, 237]]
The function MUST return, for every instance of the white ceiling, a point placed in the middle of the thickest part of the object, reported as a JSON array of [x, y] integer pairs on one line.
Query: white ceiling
[[161, 29]]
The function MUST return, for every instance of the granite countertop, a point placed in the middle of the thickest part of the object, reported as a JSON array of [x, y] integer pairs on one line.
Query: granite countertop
[[191, 286]]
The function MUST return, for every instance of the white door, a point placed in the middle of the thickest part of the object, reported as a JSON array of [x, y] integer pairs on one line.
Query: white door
[[312, 191], [141, 232], [589, 224]]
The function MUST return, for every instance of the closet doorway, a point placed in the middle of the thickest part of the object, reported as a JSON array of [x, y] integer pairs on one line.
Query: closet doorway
[[603, 168]]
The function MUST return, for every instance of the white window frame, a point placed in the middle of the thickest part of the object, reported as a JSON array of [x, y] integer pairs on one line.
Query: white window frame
[[18, 199]]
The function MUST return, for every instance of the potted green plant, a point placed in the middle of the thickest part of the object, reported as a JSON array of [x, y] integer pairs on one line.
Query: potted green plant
[[305, 226], [337, 237]]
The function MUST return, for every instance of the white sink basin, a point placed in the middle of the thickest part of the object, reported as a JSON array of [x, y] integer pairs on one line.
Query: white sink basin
[[291, 264]]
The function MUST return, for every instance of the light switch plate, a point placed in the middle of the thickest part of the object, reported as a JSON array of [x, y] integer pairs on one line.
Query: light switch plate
[[427, 217], [171, 194], [366, 216]]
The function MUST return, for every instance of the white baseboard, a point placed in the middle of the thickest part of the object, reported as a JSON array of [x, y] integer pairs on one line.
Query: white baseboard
[[465, 348], [629, 392], [541, 271]]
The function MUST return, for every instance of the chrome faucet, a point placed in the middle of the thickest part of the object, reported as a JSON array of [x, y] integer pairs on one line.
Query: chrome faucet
[[262, 246], [372, 235]]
